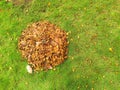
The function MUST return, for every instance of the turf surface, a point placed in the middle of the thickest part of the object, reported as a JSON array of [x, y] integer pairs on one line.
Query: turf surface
[[94, 51]]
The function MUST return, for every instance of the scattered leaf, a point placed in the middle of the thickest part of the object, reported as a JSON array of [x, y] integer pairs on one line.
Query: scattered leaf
[[110, 49]]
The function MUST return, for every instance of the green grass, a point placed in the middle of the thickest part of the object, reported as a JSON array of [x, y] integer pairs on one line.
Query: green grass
[[93, 26]]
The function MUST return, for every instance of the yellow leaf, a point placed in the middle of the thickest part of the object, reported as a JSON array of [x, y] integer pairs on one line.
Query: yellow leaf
[[49, 4], [110, 49]]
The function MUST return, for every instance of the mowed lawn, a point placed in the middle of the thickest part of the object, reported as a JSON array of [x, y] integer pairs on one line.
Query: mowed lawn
[[94, 51]]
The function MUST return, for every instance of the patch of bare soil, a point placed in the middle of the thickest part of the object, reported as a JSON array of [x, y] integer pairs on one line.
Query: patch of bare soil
[[19, 2]]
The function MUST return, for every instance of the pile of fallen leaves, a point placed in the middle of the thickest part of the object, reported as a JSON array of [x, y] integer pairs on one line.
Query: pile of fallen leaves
[[44, 45]]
